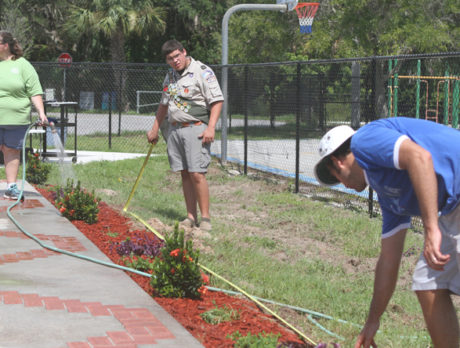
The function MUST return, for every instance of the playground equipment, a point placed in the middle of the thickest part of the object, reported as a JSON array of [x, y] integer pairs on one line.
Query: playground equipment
[[447, 91]]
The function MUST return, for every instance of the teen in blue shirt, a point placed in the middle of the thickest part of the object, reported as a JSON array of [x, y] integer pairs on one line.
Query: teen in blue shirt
[[414, 167]]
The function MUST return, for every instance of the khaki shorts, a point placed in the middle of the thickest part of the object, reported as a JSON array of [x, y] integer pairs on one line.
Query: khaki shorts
[[426, 278], [185, 149]]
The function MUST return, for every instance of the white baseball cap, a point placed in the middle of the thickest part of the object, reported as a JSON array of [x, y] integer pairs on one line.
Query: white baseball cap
[[330, 142]]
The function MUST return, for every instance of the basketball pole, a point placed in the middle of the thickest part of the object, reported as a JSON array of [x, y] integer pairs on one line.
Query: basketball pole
[[226, 19]]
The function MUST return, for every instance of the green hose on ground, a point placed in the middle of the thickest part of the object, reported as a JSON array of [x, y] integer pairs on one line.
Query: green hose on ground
[[123, 268]]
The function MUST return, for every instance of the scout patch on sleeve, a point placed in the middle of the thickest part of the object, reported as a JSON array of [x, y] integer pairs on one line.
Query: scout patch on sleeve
[[208, 75]]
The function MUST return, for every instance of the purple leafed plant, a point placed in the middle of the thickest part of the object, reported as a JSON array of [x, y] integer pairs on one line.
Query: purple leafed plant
[[139, 245]]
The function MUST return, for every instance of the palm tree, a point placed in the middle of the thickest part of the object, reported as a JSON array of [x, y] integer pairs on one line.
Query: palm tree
[[116, 20]]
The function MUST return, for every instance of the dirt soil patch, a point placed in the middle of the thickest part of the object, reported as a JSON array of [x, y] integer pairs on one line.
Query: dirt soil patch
[[112, 227]]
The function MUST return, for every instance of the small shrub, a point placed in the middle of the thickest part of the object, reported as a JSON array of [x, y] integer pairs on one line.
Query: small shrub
[[176, 270], [76, 203], [261, 340], [36, 170], [218, 315]]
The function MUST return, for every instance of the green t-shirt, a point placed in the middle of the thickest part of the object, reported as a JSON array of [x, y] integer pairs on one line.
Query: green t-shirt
[[18, 82]]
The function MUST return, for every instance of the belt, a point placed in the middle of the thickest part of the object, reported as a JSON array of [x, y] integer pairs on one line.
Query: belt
[[187, 124]]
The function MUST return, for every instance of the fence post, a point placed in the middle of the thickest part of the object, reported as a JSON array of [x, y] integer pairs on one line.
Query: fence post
[[65, 84], [455, 102], [390, 86], [355, 95], [395, 96], [370, 202], [120, 101], [417, 95], [446, 98], [297, 128], [110, 117], [321, 102], [246, 83]]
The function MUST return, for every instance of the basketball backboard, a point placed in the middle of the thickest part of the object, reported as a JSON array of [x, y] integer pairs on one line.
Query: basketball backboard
[[291, 4]]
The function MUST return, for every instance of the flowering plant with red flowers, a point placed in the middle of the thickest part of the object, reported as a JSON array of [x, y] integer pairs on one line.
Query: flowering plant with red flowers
[[36, 170], [176, 272], [76, 203]]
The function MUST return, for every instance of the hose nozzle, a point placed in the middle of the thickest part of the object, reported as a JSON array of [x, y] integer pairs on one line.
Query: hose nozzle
[[53, 128], [46, 124]]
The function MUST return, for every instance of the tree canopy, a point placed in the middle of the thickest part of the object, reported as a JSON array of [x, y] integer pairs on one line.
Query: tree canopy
[[134, 30]]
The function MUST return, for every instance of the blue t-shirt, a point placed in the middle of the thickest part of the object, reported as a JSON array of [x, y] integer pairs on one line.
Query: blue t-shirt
[[376, 149]]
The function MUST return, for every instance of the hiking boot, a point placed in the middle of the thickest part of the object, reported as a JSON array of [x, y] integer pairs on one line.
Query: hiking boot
[[205, 224], [187, 223], [12, 192]]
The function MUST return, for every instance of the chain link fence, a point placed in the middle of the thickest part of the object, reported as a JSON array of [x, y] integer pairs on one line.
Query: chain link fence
[[277, 112]]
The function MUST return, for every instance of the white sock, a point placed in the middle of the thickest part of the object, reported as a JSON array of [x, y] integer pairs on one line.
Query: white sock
[[11, 184]]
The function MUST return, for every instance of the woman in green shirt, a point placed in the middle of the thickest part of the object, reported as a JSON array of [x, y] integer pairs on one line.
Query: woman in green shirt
[[19, 88]]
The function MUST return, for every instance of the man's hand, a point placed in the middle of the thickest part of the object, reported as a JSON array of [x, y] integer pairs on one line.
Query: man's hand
[[432, 250], [152, 136], [366, 337], [208, 135]]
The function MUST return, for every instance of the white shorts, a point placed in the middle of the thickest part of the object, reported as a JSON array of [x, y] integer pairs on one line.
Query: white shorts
[[426, 278]]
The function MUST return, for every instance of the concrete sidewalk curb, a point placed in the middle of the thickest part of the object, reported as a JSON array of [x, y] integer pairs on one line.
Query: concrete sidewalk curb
[[49, 299]]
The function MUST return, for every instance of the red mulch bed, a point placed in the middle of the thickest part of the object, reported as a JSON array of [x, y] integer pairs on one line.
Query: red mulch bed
[[185, 311]]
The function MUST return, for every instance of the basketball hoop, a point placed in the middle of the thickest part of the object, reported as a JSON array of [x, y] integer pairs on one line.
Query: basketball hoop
[[306, 12]]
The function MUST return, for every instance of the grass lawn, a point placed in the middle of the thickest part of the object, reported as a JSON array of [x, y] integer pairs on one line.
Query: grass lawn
[[276, 245]]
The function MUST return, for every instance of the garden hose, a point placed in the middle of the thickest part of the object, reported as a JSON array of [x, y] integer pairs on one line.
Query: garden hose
[[23, 230], [125, 209], [123, 268], [311, 315]]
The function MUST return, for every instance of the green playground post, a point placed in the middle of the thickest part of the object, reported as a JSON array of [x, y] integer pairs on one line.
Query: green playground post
[[456, 93], [417, 95], [395, 98], [446, 98]]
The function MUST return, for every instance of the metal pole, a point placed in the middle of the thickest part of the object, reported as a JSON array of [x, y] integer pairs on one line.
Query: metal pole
[[395, 101], [355, 95], [226, 19], [297, 129], [390, 86], [119, 101], [417, 96], [246, 83], [446, 98], [455, 103], [65, 84], [110, 117]]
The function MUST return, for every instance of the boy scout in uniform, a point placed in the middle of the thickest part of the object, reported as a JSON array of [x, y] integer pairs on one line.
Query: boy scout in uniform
[[192, 100]]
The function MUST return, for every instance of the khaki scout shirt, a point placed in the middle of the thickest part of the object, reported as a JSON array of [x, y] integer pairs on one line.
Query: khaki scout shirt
[[190, 94]]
